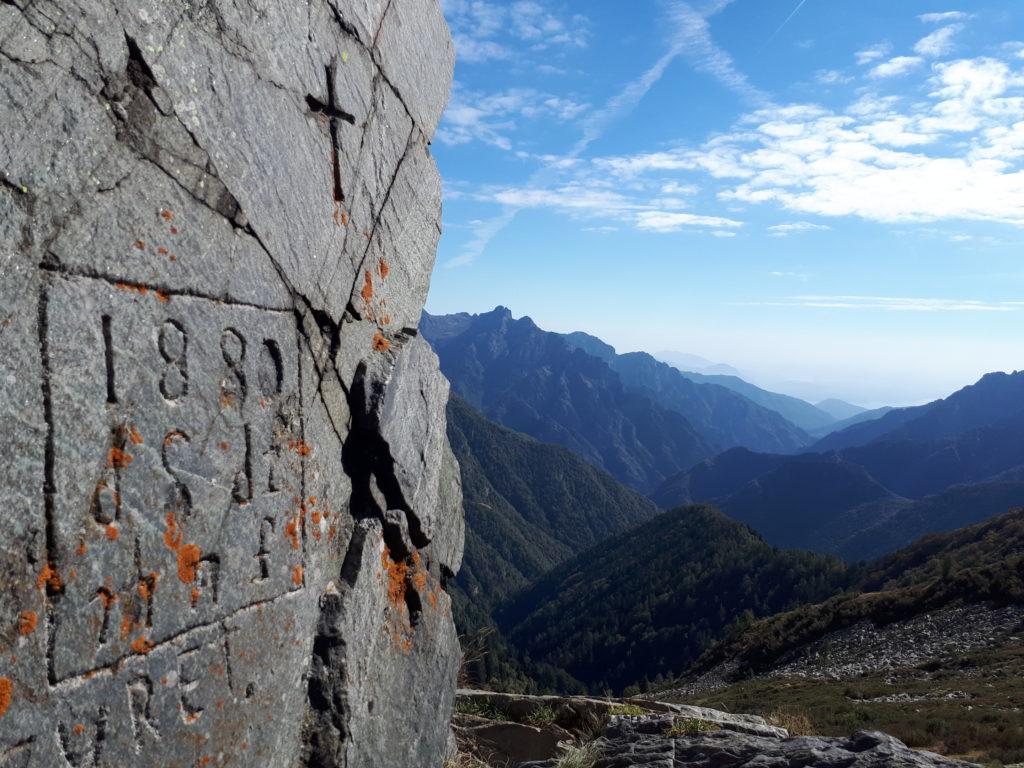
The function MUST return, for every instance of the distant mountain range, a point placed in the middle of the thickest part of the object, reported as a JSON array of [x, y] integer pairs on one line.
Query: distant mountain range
[[575, 580], [632, 415], [685, 361], [947, 464]]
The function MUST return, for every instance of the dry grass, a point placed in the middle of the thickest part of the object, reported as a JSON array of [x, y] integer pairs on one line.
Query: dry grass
[[462, 760], [580, 757], [797, 723]]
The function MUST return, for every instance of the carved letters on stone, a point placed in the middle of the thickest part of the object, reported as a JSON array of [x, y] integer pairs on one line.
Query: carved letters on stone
[[217, 227]]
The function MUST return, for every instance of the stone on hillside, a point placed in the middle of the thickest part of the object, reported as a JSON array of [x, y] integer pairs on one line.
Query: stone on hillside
[[229, 501]]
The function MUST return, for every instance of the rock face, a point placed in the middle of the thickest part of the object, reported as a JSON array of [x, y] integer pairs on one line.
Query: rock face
[[230, 508], [640, 742], [643, 742]]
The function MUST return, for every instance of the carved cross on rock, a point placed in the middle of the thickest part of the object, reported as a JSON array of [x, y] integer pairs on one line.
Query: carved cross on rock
[[334, 113]]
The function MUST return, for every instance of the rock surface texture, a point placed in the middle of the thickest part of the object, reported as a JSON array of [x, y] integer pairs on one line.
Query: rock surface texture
[[230, 508], [641, 741]]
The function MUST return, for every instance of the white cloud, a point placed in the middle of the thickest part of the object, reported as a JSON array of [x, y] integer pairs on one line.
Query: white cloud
[[781, 230], [890, 303], [957, 154], [896, 66], [484, 31], [722, 233], [591, 201], [792, 275], [940, 18], [873, 53], [938, 43], [490, 118], [665, 221], [831, 77]]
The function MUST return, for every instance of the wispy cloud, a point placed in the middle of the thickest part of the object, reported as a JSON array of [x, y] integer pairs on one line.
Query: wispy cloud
[[873, 53], [959, 154], [486, 31], [802, 277], [782, 230], [586, 201], [940, 18], [492, 117], [938, 43], [891, 304], [896, 66], [667, 221], [692, 37]]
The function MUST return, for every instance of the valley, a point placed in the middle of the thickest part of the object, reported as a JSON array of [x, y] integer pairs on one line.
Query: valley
[[832, 579]]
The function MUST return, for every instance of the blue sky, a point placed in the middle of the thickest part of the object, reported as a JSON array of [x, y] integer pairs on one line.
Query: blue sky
[[827, 195]]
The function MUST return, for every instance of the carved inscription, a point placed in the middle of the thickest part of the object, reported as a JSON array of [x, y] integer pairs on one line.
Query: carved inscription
[[182, 420]]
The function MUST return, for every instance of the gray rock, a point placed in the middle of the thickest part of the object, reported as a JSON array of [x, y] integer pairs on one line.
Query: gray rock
[[229, 501], [642, 742]]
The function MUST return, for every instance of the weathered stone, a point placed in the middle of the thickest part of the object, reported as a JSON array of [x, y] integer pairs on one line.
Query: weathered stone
[[229, 502], [509, 743], [643, 742]]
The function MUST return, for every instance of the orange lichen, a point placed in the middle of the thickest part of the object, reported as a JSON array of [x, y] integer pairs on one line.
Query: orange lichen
[[301, 447], [134, 435], [112, 532], [297, 575], [139, 244], [227, 399], [126, 627], [167, 215], [118, 459], [344, 219], [141, 644], [224, 445], [147, 586], [188, 554], [291, 530], [173, 536], [194, 596], [6, 694], [380, 344], [27, 621], [172, 257], [367, 292], [82, 549], [174, 230], [188, 560], [161, 296], [397, 581], [48, 577], [383, 268], [385, 320], [162, 251]]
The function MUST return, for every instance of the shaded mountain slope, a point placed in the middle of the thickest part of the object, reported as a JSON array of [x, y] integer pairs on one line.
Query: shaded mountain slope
[[839, 410], [714, 478], [992, 400], [977, 564], [534, 382], [649, 601], [798, 503], [529, 505], [799, 412], [723, 416]]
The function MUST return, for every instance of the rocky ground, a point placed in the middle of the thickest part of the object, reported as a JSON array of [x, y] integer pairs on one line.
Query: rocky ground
[[864, 648], [512, 731]]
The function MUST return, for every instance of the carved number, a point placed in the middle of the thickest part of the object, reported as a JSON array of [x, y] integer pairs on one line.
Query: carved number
[[173, 345], [232, 347]]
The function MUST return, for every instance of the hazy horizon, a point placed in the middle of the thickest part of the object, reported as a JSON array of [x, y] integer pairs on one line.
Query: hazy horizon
[[829, 193]]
